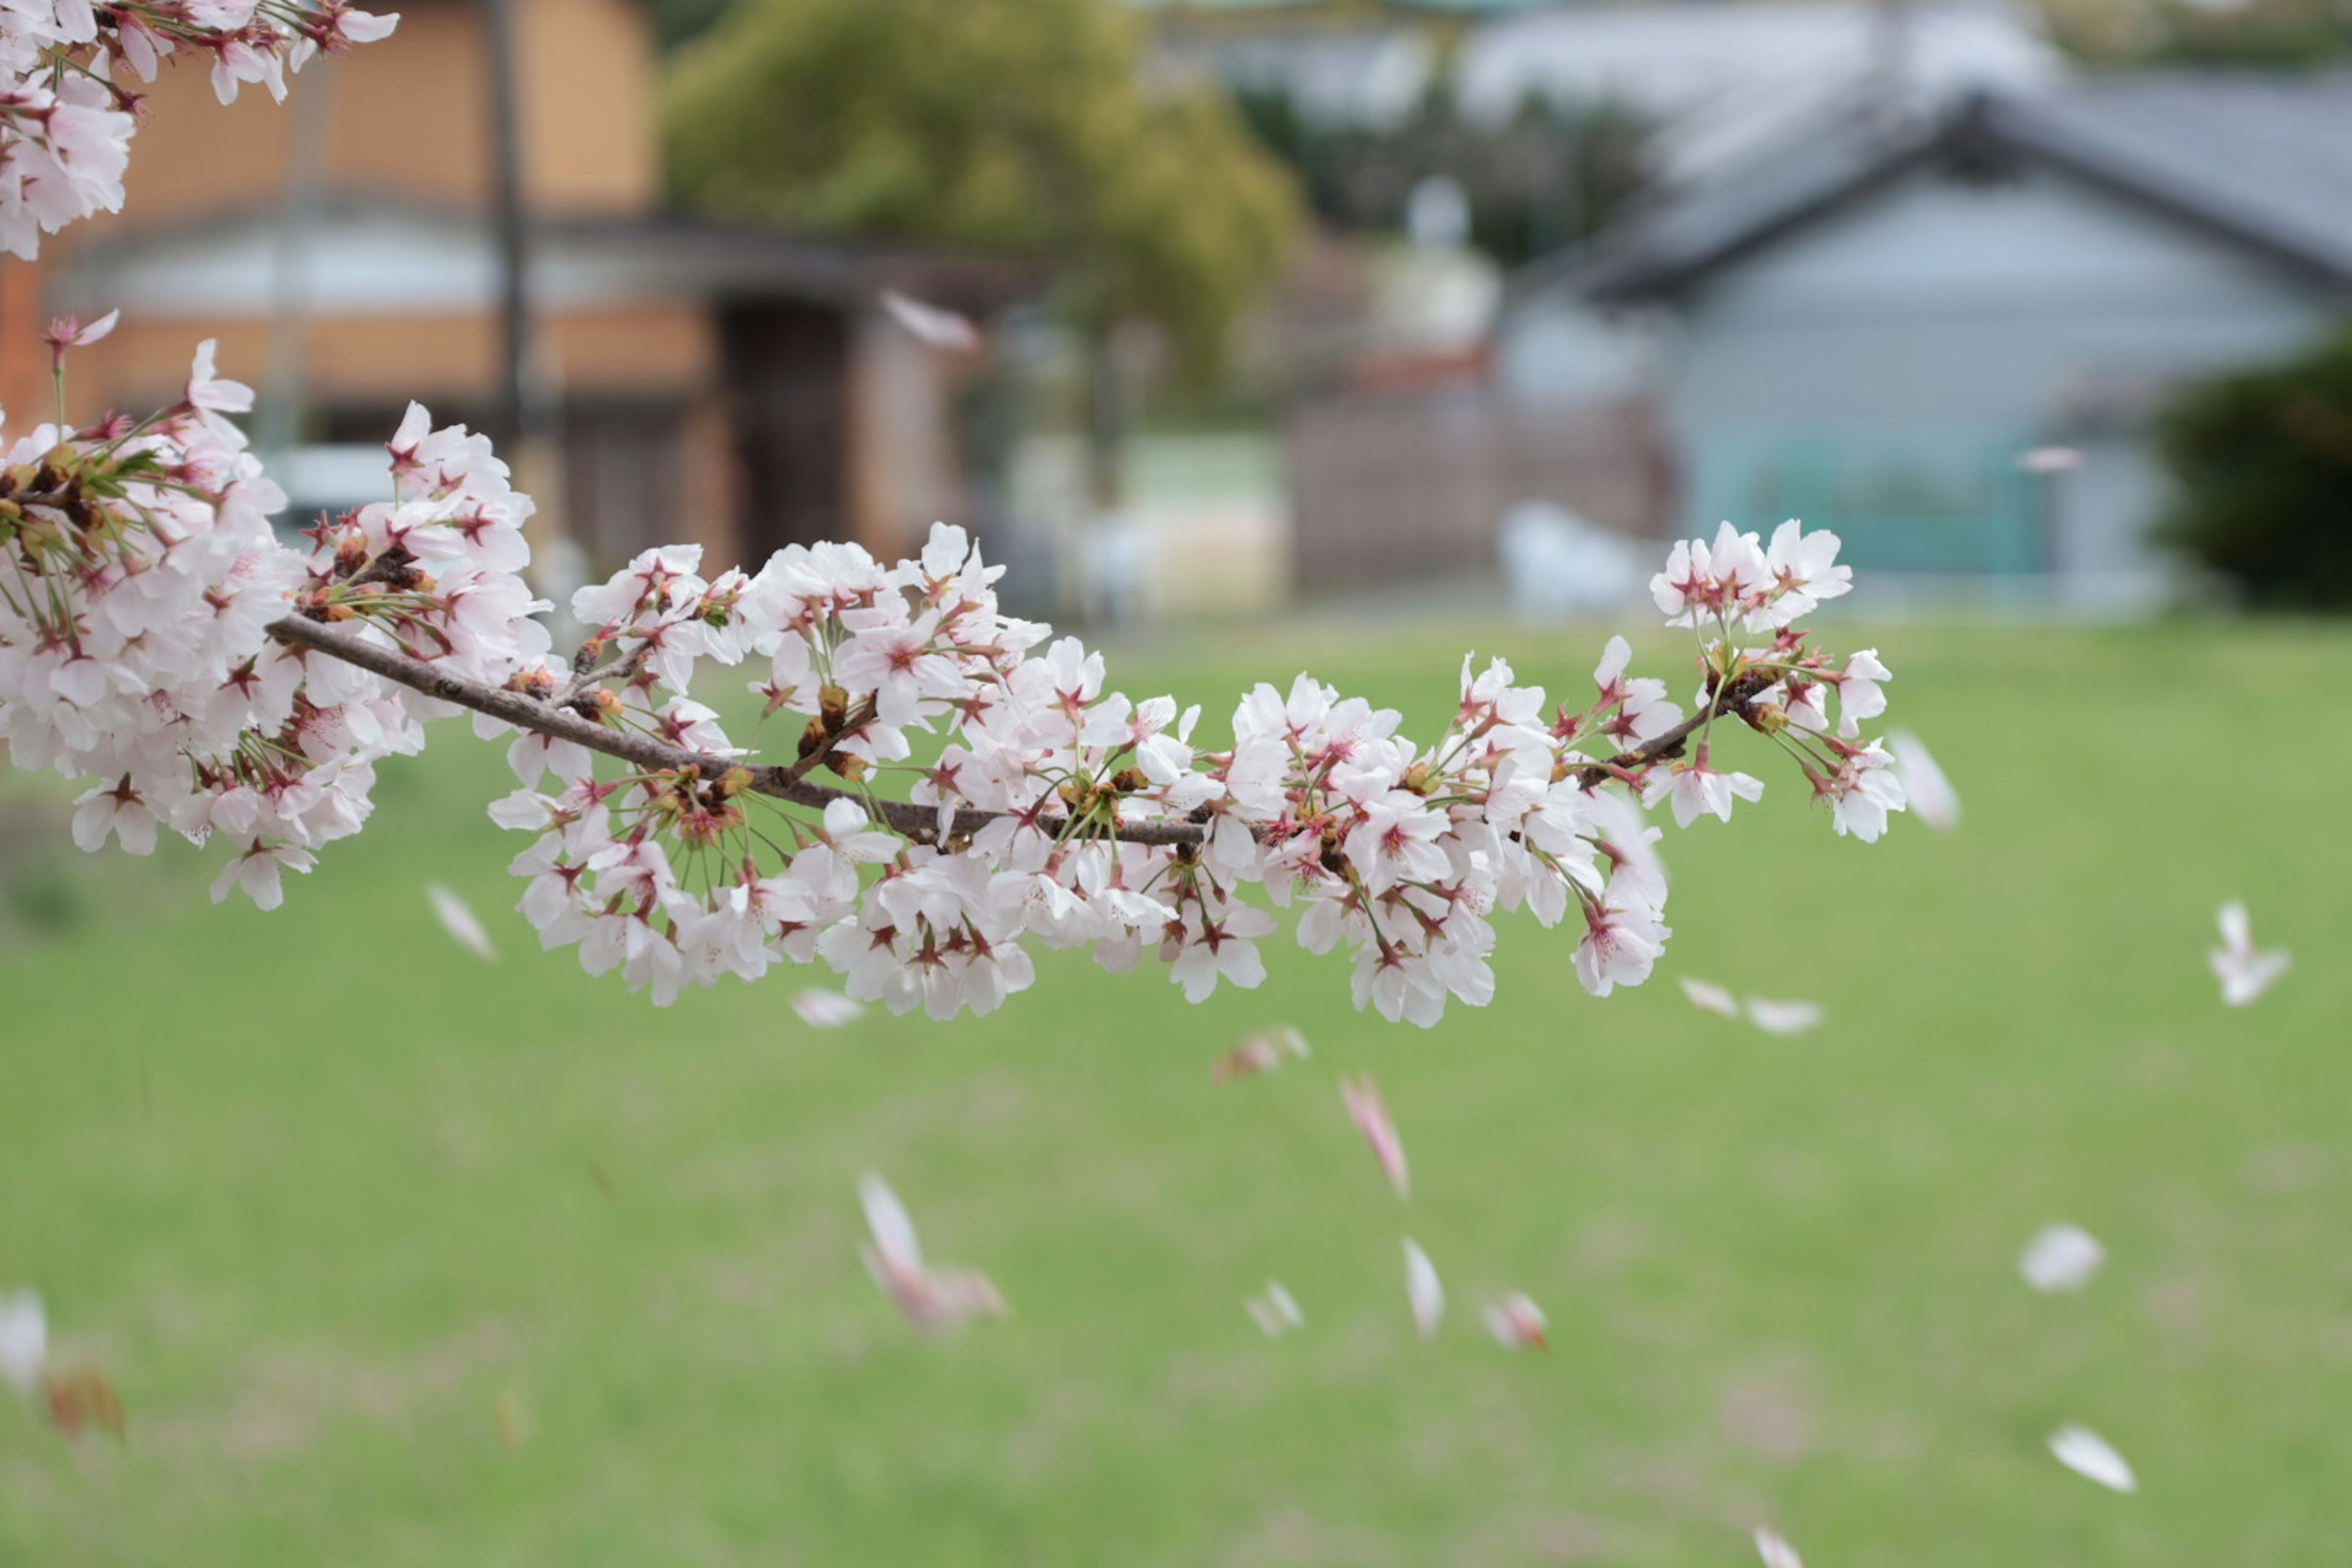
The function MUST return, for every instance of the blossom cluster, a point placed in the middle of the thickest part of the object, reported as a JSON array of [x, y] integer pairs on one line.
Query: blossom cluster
[[1052, 810], [66, 122], [141, 573], [956, 786]]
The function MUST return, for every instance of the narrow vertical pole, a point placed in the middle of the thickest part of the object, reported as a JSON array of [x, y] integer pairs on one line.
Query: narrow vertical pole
[[508, 223], [309, 123]]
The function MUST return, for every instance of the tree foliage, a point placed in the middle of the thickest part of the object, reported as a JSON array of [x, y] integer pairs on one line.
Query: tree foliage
[[1547, 177], [1021, 127], [2264, 462], [2259, 34]]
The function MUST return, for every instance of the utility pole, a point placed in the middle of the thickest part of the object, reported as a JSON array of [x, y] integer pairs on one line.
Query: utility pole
[[523, 425], [508, 223]]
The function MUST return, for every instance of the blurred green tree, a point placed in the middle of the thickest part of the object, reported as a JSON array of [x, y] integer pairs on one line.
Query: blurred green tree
[[1020, 127], [2260, 33], [2264, 462]]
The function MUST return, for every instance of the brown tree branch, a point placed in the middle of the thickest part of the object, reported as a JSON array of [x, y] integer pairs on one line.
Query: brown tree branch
[[905, 818]]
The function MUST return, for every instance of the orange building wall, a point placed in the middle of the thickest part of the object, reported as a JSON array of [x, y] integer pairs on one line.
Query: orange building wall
[[410, 116], [650, 350], [25, 388]]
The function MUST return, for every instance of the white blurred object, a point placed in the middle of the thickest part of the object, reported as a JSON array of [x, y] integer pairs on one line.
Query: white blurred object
[[2089, 1455], [24, 1340], [2061, 1258], [1933, 799], [2244, 973], [1422, 1289], [2051, 460], [1776, 1553], [458, 918], [1709, 997], [1428, 299], [1274, 1312], [944, 329], [1113, 556], [1783, 1017], [822, 1009], [1557, 564]]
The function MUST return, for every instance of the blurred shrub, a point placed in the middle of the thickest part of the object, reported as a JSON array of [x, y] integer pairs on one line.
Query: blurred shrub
[[2264, 462], [39, 893]]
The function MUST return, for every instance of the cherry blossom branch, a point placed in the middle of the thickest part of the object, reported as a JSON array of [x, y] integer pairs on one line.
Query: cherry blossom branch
[[919, 823], [527, 712]]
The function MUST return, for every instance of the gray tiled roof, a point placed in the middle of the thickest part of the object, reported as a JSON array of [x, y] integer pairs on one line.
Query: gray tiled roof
[[2266, 161]]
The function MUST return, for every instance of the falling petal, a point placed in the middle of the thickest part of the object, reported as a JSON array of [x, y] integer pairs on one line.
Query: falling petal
[[458, 918], [893, 1227], [1370, 1115], [24, 1340], [2051, 460], [1710, 998], [2061, 1258], [1517, 1322], [1259, 1053], [2237, 927], [1422, 1289], [2244, 973], [1783, 1017], [1933, 799], [1776, 1553], [1274, 1312], [2087, 1454], [934, 327], [821, 1009], [935, 1300]]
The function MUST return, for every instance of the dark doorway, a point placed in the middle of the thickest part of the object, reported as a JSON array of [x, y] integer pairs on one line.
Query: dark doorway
[[788, 381]]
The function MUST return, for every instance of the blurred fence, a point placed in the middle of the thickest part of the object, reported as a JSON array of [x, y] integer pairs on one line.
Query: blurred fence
[[1387, 487]]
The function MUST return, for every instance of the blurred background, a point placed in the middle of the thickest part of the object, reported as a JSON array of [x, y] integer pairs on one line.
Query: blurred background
[[1257, 335]]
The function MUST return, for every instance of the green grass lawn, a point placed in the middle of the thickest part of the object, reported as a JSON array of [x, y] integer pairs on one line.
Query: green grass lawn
[[324, 1193]]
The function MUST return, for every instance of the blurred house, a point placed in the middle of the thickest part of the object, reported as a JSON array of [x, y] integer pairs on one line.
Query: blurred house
[[733, 386], [1410, 452], [1719, 80], [1872, 331], [1723, 80]]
